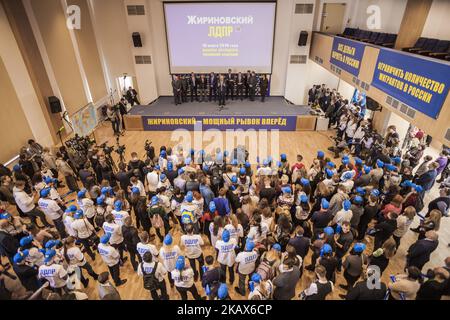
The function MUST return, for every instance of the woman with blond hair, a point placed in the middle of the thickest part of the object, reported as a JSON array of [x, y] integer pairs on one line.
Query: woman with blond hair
[[433, 222], [403, 222], [235, 229], [382, 256]]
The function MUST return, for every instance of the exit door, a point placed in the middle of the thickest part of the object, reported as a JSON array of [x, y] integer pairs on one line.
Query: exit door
[[333, 15]]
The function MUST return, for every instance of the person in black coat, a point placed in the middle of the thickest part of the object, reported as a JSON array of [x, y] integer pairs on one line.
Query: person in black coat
[[123, 110], [251, 82], [300, 243], [26, 274], [419, 252], [202, 87], [435, 287], [385, 229], [286, 281], [132, 96], [212, 86], [8, 243], [131, 239], [263, 85], [361, 290], [176, 89], [230, 81], [193, 82], [240, 83]]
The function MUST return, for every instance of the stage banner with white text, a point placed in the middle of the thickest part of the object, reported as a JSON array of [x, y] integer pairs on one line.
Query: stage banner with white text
[[420, 83], [347, 55], [169, 123]]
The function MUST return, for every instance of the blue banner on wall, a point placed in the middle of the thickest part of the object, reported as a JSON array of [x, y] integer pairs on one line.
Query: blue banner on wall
[[347, 55], [420, 83], [169, 123]]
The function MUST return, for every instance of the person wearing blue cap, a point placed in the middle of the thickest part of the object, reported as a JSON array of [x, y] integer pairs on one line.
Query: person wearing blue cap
[[183, 278], [86, 205], [52, 211], [260, 289], [353, 266], [111, 257], [169, 253], [222, 292], [321, 218], [158, 217], [345, 214], [365, 178], [226, 255], [116, 237], [84, 232], [302, 208], [136, 183], [27, 274], [119, 214], [54, 273], [246, 264]]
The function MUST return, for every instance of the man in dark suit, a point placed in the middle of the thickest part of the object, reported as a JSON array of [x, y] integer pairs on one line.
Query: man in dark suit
[[426, 181], [312, 94], [202, 86], [221, 90], [230, 80], [263, 85], [184, 87], [300, 243], [132, 96], [212, 86], [123, 110], [240, 81], [419, 252], [193, 87], [286, 281], [247, 79], [176, 87], [252, 86], [325, 101]]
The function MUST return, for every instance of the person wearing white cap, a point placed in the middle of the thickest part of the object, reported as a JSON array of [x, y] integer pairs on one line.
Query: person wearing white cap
[[54, 273]]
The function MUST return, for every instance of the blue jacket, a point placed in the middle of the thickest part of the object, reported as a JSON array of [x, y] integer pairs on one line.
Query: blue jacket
[[207, 194], [427, 179], [222, 206]]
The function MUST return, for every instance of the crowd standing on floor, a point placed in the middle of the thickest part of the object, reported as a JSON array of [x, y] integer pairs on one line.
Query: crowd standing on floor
[[261, 223]]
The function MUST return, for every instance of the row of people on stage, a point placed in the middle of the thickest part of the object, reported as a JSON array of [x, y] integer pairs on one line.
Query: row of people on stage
[[219, 87]]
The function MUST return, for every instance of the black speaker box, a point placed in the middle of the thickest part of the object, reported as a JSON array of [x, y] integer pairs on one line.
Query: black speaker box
[[55, 104], [303, 39], [137, 41]]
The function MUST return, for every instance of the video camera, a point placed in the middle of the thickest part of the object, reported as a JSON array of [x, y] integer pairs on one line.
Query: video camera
[[149, 149]]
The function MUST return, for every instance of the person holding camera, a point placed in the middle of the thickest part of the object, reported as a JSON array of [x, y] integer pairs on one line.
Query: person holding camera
[[113, 116]]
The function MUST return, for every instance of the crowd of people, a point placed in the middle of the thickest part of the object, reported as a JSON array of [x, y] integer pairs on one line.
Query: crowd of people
[[219, 87], [255, 230]]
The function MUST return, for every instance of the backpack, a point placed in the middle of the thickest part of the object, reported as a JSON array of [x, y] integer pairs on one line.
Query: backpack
[[265, 269], [150, 281], [419, 204]]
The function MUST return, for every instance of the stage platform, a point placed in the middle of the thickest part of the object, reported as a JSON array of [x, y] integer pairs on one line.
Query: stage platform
[[274, 113]]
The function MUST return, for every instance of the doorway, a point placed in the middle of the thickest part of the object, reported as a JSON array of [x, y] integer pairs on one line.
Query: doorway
[[333, 15]]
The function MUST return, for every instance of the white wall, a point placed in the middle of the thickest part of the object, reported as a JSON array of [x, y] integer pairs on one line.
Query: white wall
[[114, 39], [437, 24], [346, 89], [391, 14], [401, 124]]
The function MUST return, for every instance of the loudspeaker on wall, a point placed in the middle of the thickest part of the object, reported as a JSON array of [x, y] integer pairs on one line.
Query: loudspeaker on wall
[[55, 104], [137, 41], [303, 39]]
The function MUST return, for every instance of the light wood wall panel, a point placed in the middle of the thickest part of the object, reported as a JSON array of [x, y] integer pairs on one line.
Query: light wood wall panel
[[15, 130], [30, 52], [413, 21], [89, 52], [52, 25], [437, 128]]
